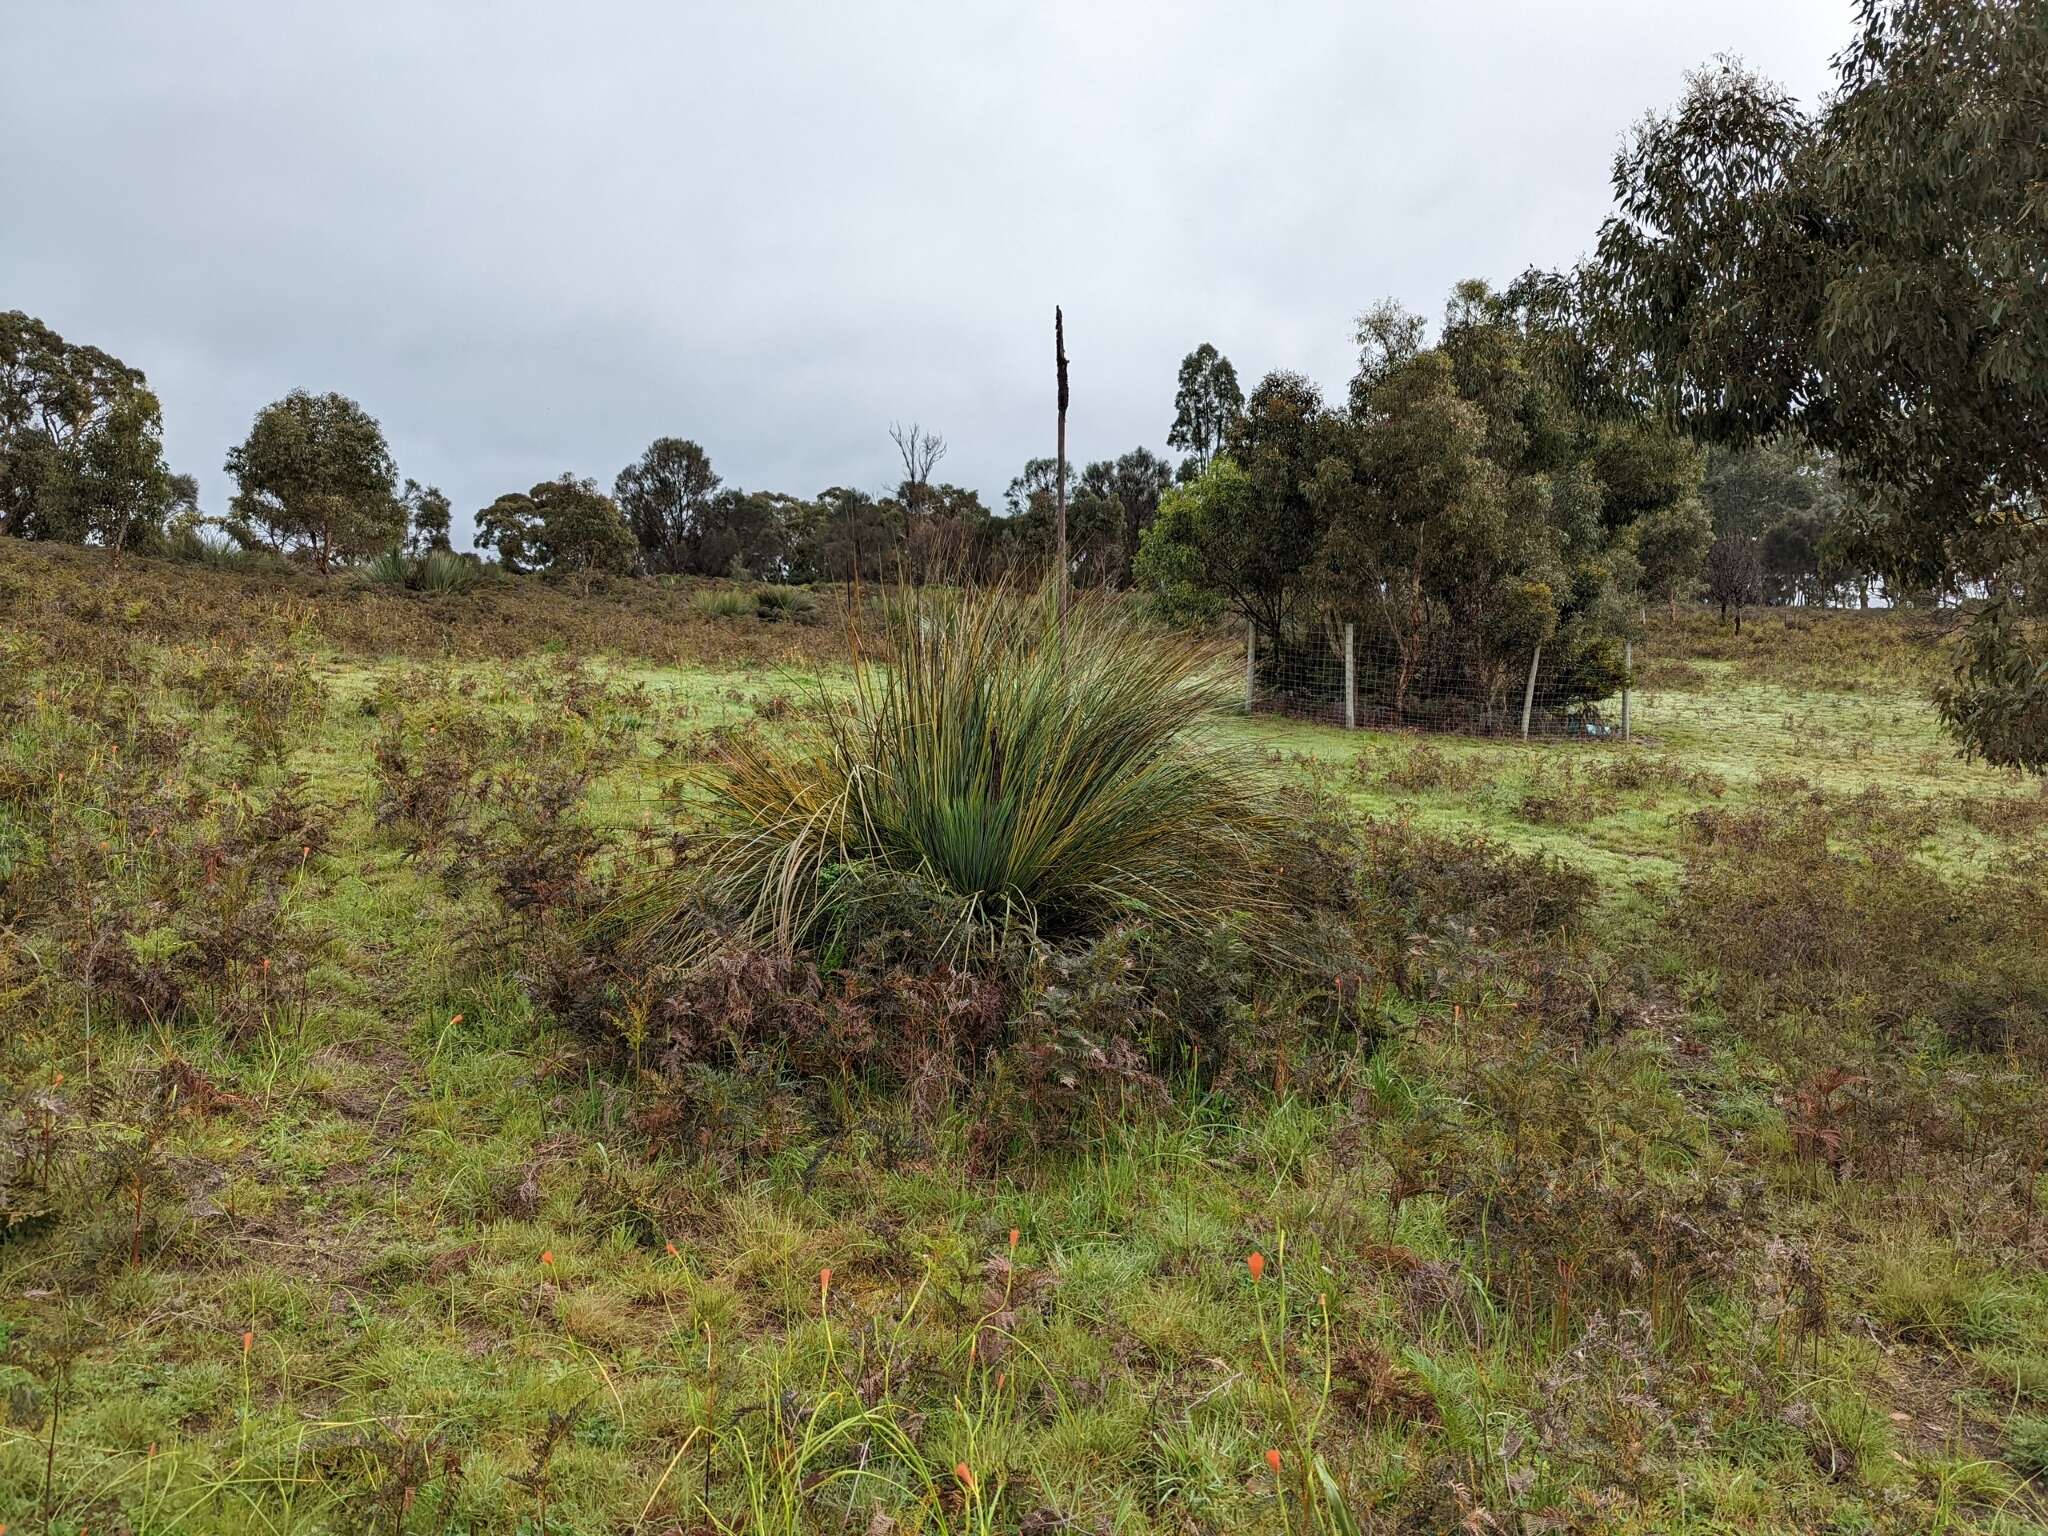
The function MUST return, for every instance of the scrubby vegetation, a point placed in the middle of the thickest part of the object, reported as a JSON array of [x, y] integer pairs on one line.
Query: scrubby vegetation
[[1609, 1138]]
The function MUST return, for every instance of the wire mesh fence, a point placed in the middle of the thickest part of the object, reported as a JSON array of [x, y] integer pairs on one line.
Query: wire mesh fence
[[1340, 675], [1753, 707]]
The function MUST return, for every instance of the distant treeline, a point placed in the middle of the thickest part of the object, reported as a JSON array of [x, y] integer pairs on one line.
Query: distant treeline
[[81, 459]]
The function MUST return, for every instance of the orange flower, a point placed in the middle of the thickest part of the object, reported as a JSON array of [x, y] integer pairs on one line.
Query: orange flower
[[672, 1252], [824, 1284], [1013, 1239], [547, 1257], [1256, 1263], [457, 1019], [57, 1081], [1273, 1461], [248, 1340], [966, 1475]]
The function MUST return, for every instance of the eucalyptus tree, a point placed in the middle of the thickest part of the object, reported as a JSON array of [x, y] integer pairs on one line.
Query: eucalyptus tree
[[315, 475], [81, 442], [1868, 276], [666, 496], [562, 527], [1206, 405], [428, 518]]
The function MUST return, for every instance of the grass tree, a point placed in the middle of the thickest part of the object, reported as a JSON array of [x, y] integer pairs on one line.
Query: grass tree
[[1028, 786]]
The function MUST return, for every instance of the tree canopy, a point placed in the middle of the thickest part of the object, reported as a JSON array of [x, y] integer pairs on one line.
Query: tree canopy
[[564, 527], [1868, 277], [1206, 405], [81, 443], [1459, 510], [428, 516], [666, 496], [315, 475]]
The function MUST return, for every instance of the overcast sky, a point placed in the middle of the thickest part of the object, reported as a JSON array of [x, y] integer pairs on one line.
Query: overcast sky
[[532, 237]]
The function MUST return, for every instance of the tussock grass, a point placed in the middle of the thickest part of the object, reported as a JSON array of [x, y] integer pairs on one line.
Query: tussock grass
[[1038, 777]]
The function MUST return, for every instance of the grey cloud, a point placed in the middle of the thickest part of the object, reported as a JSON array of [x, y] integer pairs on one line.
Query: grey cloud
[[530, 237]]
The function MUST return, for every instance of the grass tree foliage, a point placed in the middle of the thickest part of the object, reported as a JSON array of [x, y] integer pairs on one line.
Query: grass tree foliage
[[1030, 779]]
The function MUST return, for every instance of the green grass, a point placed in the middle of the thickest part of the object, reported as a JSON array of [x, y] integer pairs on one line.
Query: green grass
[[1740, 740], [1840, 1287]]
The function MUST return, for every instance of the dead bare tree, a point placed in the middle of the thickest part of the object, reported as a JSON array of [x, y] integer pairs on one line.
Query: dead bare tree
[[920, 451]]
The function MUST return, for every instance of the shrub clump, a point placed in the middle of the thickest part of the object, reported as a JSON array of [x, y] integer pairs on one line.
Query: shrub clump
[[1039, 777]]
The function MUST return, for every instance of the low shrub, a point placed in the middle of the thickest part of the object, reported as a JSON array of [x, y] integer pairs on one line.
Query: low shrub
[[2007, 816], [1562, 797], [1821, 903], [1634, 771], [1426, 767]]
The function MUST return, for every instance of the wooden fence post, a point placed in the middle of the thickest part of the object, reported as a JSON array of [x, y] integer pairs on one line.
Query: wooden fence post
[[1628, 663], [1350, 683], [1529, 693]]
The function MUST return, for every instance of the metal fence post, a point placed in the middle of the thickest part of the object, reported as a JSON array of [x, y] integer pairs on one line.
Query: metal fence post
[[1251, 647], [1628, 664], [1350, 683], [1529, 693]]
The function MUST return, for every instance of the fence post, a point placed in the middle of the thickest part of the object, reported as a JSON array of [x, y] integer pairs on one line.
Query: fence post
[[1628, 663], [1350, 683], [1251, 647], [1529, 693]]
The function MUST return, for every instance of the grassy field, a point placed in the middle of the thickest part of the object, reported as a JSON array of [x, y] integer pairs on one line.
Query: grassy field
[[1677, 1165]]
